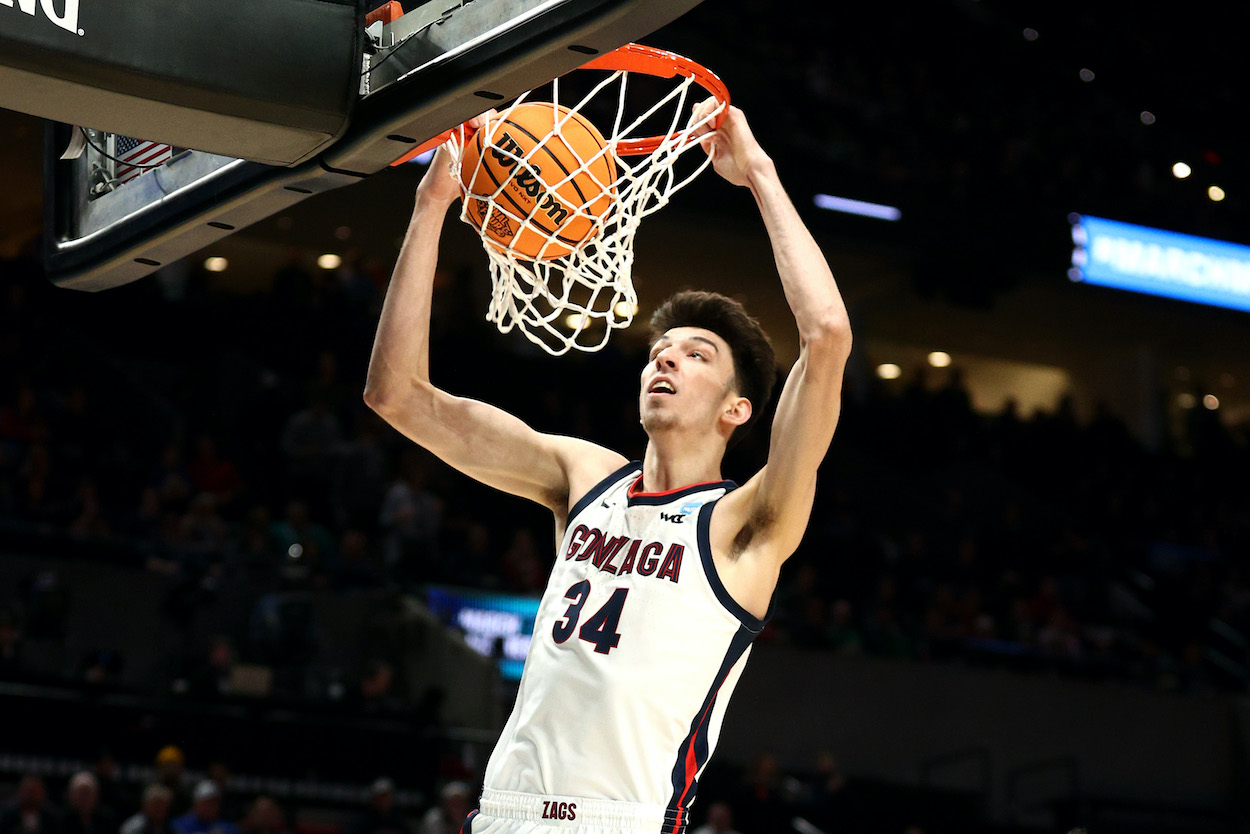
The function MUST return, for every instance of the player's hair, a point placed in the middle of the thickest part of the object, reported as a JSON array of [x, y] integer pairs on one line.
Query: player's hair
[[755, 369]]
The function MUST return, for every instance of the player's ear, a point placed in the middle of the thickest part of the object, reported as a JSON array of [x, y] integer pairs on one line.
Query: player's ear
[[737, 411]]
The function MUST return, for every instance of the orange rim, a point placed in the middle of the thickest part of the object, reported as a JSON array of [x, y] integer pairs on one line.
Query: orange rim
[[632, 57]]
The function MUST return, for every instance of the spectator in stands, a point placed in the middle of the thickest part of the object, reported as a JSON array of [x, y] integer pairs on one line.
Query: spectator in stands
[[449, 814], [360, 476], [85, 514], [114, 796], [299, 528], [30, 812], [232, 805], [171, 480], [85, 816], [202, 533], [825, 804], [205, 814], [843, 635], [100, 666], [39, 498], [171, 772], [153, 815], [211, 676], [381, 816], [263, 817], [411, 518], [377, 689], [759, 805], [310, 441], [213, 474], [720, 820], [145, 525]]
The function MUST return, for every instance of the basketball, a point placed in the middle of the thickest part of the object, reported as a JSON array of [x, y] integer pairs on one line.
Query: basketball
[[556, 183]]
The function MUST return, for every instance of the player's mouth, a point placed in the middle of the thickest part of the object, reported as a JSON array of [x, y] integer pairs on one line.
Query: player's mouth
[[661, 388]]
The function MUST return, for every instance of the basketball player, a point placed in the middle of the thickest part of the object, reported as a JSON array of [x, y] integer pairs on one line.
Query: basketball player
[[665, 572]]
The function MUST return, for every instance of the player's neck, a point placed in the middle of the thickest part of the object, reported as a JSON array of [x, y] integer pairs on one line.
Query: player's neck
[[670, 463]]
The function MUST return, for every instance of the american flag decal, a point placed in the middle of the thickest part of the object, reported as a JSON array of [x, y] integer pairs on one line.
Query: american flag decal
[[134, 153]]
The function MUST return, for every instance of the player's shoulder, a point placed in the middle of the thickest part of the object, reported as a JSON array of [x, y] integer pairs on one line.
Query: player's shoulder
[[586, 464]]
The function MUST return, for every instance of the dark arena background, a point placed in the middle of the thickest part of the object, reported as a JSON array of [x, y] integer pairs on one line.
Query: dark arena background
[[1022, 604]]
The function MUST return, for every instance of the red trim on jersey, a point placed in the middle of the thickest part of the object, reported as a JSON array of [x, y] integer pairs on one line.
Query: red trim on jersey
[[692, 760], [633, 494]]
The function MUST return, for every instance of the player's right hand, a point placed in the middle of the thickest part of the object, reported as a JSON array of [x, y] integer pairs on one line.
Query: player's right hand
[[439, 184]]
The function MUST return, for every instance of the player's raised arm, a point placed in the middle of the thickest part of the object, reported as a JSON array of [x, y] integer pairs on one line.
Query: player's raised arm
[[482, 441], [770, 513]]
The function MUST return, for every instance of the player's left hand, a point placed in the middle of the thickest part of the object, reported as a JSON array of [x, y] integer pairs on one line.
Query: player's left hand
[[438, 183], [734, 149]]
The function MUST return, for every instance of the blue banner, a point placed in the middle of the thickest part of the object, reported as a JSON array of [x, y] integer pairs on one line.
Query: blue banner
[[496, 625], [1156, 262]]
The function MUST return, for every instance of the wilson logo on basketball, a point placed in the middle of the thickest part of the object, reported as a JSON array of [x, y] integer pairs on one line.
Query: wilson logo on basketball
[[507, 152], [67, 19]]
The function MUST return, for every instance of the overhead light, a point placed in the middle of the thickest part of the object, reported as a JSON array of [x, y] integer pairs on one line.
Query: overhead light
[[577, 321], [1215, 193], [1087, 75], [1030, 34], [1211, 402], [424, 158], [216, 264], [625, 308], [889, 371], [1180, 170], [1186, 401], [329, 261], [849, 206], [939, 359], [1147, 118]]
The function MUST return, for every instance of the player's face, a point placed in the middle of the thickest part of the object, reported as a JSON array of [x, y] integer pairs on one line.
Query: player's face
[[687, 379]]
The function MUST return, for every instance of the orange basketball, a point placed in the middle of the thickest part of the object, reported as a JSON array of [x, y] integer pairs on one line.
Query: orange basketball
[[552, 197]]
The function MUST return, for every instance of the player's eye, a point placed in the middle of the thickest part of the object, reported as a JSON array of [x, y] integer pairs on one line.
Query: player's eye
[[698, 354]]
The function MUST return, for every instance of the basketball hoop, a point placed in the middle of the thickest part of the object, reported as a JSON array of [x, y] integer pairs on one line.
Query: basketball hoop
[[572, 293]]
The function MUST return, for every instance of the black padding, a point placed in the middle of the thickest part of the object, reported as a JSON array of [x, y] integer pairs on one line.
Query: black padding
[[273, 82]]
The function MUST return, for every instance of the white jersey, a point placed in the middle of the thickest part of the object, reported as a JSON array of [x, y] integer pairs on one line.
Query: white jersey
[[636, 649]]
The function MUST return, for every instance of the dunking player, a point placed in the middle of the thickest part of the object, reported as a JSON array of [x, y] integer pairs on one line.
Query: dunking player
[[665, 572]]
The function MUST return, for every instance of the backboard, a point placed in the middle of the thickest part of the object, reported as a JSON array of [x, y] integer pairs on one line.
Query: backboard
[[109, 221]]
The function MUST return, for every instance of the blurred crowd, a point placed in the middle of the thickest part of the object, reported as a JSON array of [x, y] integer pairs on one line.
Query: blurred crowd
[[758, 798], [1039, 542], [174, 801], [220, 440]]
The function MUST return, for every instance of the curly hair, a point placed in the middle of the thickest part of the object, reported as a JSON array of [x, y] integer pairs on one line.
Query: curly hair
[[755, 368]]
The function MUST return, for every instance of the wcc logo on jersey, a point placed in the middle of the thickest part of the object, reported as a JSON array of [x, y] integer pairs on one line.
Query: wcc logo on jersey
[[683, 512], [66, 19]]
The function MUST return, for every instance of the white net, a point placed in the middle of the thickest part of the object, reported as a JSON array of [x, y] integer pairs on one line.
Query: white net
[[568, 293]]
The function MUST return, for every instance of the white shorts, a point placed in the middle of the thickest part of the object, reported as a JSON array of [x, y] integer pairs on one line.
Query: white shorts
[[508, 812]]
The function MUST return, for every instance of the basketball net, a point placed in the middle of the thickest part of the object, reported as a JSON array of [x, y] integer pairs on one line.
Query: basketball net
[[577, 300]]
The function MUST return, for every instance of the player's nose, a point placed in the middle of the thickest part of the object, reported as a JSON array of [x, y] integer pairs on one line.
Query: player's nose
[[666, 359]]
